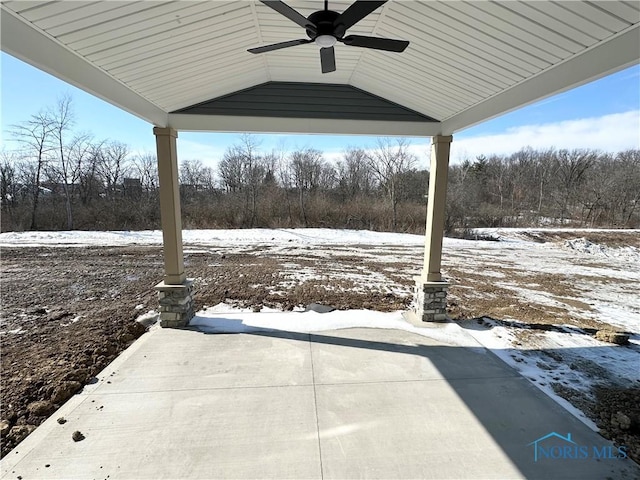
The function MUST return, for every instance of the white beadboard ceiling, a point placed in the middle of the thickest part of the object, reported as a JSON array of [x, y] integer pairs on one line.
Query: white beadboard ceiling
[[468, 61]]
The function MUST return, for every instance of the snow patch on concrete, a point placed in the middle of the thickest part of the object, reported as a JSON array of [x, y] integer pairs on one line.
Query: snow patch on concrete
[[224, 318]]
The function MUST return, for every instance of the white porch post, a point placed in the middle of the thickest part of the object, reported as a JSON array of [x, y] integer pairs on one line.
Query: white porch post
[[431, 290], [175, 292]]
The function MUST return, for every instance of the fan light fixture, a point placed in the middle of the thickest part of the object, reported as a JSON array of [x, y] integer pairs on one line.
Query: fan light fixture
[[326, 27], [325, 41]]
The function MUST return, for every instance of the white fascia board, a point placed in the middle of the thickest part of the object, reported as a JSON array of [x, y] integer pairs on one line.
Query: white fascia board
[[617, 53], [225, 123], [24, 41]]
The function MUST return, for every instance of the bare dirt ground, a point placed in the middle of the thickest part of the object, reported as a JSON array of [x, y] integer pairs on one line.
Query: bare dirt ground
[[68, 312]]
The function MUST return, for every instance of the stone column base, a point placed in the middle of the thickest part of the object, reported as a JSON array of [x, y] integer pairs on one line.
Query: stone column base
[[176, 304], [430, 301]]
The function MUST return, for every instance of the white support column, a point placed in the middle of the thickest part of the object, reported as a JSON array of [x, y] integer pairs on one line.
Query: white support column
[[436, 206], [170, 205], [175, 291], [431, 290]]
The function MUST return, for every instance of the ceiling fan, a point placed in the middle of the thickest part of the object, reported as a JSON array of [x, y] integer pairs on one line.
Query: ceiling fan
[[326, 27]]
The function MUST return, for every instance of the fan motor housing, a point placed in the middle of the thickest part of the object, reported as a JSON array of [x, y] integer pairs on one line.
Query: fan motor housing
[[323, 19]]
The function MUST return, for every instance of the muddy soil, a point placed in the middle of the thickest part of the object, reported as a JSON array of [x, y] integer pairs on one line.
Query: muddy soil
[[68, 312]]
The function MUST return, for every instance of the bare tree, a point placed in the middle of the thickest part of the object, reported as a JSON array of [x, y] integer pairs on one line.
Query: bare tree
[[354, 173], [195, 175], [145, 166], [461, 194], [625, 192], [36, 138], [544, 174], [243, 169], [497, 181], [230, 169], [306, 167], [255, 172], [112, 165], [8, 184], [285, 177], [570, 169], [388, 161], [90, 184], [271, 163], [526, 180], [65, 170]]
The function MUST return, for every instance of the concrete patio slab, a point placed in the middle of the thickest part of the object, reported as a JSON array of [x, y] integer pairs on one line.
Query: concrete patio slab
[[405, 430], [197, 362], [213, 433], [395, 356], [358, 403]]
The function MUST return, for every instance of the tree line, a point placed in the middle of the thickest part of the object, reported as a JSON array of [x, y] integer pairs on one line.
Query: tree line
[[580, 188], [61, 179]]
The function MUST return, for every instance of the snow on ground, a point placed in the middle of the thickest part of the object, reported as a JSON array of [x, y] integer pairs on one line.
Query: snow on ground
[[565, 356], [585, 246], [224, 318], [254, 236], [585, 280], [606, 285]]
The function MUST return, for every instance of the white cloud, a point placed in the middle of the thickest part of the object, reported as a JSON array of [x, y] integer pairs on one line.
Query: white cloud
[[333, 155], [609, 133]]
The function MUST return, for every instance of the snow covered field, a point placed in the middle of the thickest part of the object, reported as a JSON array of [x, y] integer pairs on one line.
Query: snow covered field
[[223, 238], [534, 297]]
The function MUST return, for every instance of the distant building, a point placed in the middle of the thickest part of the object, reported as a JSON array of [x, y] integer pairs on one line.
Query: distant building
[[132, 187]]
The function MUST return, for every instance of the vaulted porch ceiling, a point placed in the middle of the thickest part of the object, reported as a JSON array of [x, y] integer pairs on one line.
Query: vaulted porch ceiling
[[467, 61]]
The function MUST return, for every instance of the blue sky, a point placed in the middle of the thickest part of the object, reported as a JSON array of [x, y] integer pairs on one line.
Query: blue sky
[[603, 115]]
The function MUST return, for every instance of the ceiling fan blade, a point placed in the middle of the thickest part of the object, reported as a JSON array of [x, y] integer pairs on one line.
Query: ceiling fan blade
[[376, 42], [284, 9], [356, 12], [278, 46], [328, 59]]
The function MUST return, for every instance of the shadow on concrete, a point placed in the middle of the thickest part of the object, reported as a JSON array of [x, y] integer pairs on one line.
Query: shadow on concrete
[[512, 410]]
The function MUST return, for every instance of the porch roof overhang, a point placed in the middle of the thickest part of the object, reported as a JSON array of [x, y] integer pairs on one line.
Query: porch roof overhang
[[467, 61]]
